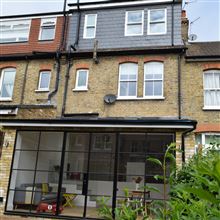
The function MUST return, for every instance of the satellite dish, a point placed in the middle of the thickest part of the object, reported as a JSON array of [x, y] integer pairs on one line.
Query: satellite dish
[[110, 99], [192, 37]]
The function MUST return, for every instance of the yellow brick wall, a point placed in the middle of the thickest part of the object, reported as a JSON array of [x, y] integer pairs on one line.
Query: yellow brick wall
[[5, 163], [103, 80]]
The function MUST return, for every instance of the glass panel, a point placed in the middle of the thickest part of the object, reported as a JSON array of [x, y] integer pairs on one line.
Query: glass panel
[[75, 164], [217, 80], [158, 88], [90, 32], [149, 88], [134, 16], [45, 80], [7, 83], [78, 142], [134, 29], [157, 28], [91, 20], [158, 15], [49, 161], [25, 160], [209, 83], [128, 71], [82, 78], [153, 68], [27, 140], [128, 88], [47, 33], [51, 141], [99, 188]]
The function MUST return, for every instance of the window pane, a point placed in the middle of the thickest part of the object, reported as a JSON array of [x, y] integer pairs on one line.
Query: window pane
[[91, 20], [90, 32], [128, 71], [158, 88], [157, 28], [44, 80], [7, 83], [212, 98], [135, 17], [128, 89], [217, 80], [82, 78], [149, 88], [208, 77], [47, 33], [158, 15], [134, 29]]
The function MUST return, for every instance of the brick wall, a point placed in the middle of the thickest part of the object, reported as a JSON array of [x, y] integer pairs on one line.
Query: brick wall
[[103, 80], [34, 44], [5, 163]]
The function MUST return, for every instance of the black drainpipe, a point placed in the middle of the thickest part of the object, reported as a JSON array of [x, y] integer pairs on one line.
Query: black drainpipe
[[69, 65], [172, 31], [78, 26], [51, 94], [183, 142], [61, 47], [24, 81], [58, 56]]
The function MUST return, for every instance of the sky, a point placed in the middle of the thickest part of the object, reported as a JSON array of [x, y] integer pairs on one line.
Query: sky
[[204, 15]]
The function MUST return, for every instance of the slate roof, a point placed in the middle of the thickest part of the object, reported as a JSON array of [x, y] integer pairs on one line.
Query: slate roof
[[203, 49]]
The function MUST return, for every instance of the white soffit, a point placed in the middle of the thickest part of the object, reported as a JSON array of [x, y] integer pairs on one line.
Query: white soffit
[[64, 125]]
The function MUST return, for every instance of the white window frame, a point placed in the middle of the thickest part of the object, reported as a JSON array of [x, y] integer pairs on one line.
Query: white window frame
[[86, 26], [81, 88], [43, 24], [2, 73], [153, 96], [211, 107], [13, 23], [149, 22], [203, 138], [126, 23], [39, 82], [119, 83]]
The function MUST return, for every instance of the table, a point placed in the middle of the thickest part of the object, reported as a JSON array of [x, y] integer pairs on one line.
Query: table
[[69, 197]]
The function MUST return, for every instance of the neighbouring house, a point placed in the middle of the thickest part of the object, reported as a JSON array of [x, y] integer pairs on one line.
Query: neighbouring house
[[86, 96]]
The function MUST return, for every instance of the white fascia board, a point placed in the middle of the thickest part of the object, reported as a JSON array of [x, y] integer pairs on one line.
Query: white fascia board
[[136, 3], [11, 124]]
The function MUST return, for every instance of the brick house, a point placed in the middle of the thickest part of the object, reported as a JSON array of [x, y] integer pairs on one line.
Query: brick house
[[86, 108]]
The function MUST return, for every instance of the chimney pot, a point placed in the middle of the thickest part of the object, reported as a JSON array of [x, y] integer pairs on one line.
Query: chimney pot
[[183, 13]]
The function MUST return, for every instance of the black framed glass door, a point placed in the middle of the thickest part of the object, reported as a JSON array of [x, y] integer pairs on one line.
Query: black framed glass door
[[75, 170]]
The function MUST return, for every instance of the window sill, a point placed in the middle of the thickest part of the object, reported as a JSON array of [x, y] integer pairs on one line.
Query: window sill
[[41, 91], [139, 98], [79, 90], [211, 108], [46, 40], [5, 100]]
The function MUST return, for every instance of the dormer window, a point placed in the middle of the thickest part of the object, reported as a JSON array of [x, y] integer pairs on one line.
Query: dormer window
[[14, 31], [157, 21], [134, 23], [90, 26], [47, 31]]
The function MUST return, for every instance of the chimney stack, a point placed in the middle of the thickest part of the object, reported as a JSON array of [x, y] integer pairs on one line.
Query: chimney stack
[[184, 26]]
